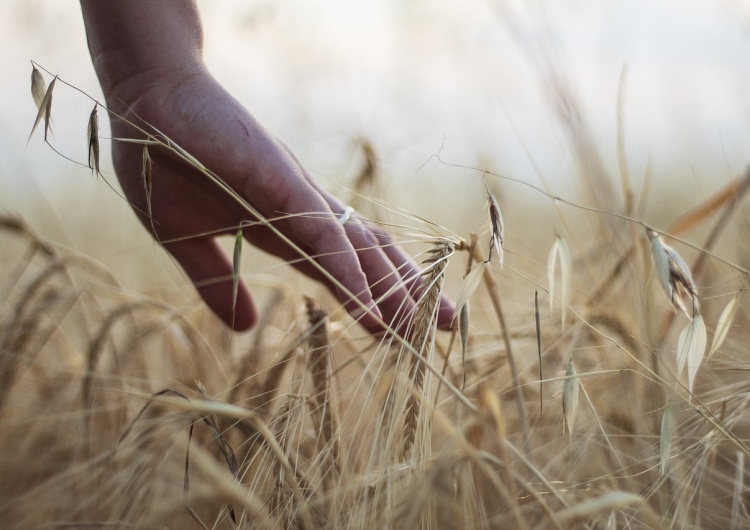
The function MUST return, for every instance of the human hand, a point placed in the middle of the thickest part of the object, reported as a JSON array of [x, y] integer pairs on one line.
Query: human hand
[[189, 210]]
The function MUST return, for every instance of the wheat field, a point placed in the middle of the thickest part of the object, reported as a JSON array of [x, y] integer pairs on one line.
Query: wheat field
[[592, 379]]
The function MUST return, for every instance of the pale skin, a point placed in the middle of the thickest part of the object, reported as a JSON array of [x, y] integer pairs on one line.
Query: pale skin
[[148, 56]]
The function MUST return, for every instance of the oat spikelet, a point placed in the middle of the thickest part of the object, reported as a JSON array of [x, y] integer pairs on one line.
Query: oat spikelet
[[674, 276], [93, 137], [464, 318], [469, 285], [559, 250], [571, 388], [45, 110], [425, 321], [319, 366], [723, 325], [38, 87], [497, 228], [691, 346], [665, 439], [236, 262], [147, 177]]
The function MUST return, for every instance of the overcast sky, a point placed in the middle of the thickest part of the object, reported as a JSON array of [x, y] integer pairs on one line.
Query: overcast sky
[[415, 76]]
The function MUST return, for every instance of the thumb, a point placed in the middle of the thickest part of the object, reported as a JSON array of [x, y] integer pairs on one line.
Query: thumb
[[210, 270]]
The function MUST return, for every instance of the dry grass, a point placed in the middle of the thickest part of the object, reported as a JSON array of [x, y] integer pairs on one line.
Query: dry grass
[[123, 411]]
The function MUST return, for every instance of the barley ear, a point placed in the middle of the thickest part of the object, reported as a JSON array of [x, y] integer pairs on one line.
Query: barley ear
[[423, 335]]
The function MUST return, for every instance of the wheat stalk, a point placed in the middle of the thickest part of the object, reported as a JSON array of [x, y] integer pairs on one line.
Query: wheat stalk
[[318, 364]]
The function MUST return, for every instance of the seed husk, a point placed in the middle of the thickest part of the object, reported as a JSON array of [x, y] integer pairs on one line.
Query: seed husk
[[497, 228], [571, 388], [38, 87], [723, 325], [665, 439], [236, 261], [691, 346], [45, 110], [674, 276], [93, 137], [559, 250]]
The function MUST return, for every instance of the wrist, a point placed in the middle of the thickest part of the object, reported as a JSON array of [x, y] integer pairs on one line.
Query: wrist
[[136, 44]]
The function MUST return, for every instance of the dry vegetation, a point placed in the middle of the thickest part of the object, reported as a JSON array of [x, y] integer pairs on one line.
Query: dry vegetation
[[119, 410]]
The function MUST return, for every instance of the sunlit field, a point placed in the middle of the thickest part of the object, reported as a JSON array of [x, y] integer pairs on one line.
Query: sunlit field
[[596, 376]]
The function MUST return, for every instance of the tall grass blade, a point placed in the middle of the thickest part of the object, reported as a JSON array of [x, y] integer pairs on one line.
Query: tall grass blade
[[665, 438], [539, 348], [739, 511], [571, 389], [38, 87], [612, 500], [723, 325], [463, 331], [236, 262]]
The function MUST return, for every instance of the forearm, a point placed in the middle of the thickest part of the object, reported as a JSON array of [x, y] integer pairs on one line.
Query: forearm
[[138, 41]]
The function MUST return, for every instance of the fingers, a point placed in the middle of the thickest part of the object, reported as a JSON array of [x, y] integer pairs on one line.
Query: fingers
[[210, 270], [331, 247], [387, 285], [411, 275]]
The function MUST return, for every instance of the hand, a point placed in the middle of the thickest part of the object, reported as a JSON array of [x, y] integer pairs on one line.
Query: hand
[[193, 110]]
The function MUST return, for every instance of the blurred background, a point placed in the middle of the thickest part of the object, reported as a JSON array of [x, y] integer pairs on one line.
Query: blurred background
[[467, 80]]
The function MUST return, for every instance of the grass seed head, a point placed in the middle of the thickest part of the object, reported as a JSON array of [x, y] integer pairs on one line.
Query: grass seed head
[[38, 87], [571, 388], [723, 325], [674, 276], [147, 169], [559, 249], [236, 262], [691, 346], [45, 110], [93, 137], [665, 439], [497, 227]]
